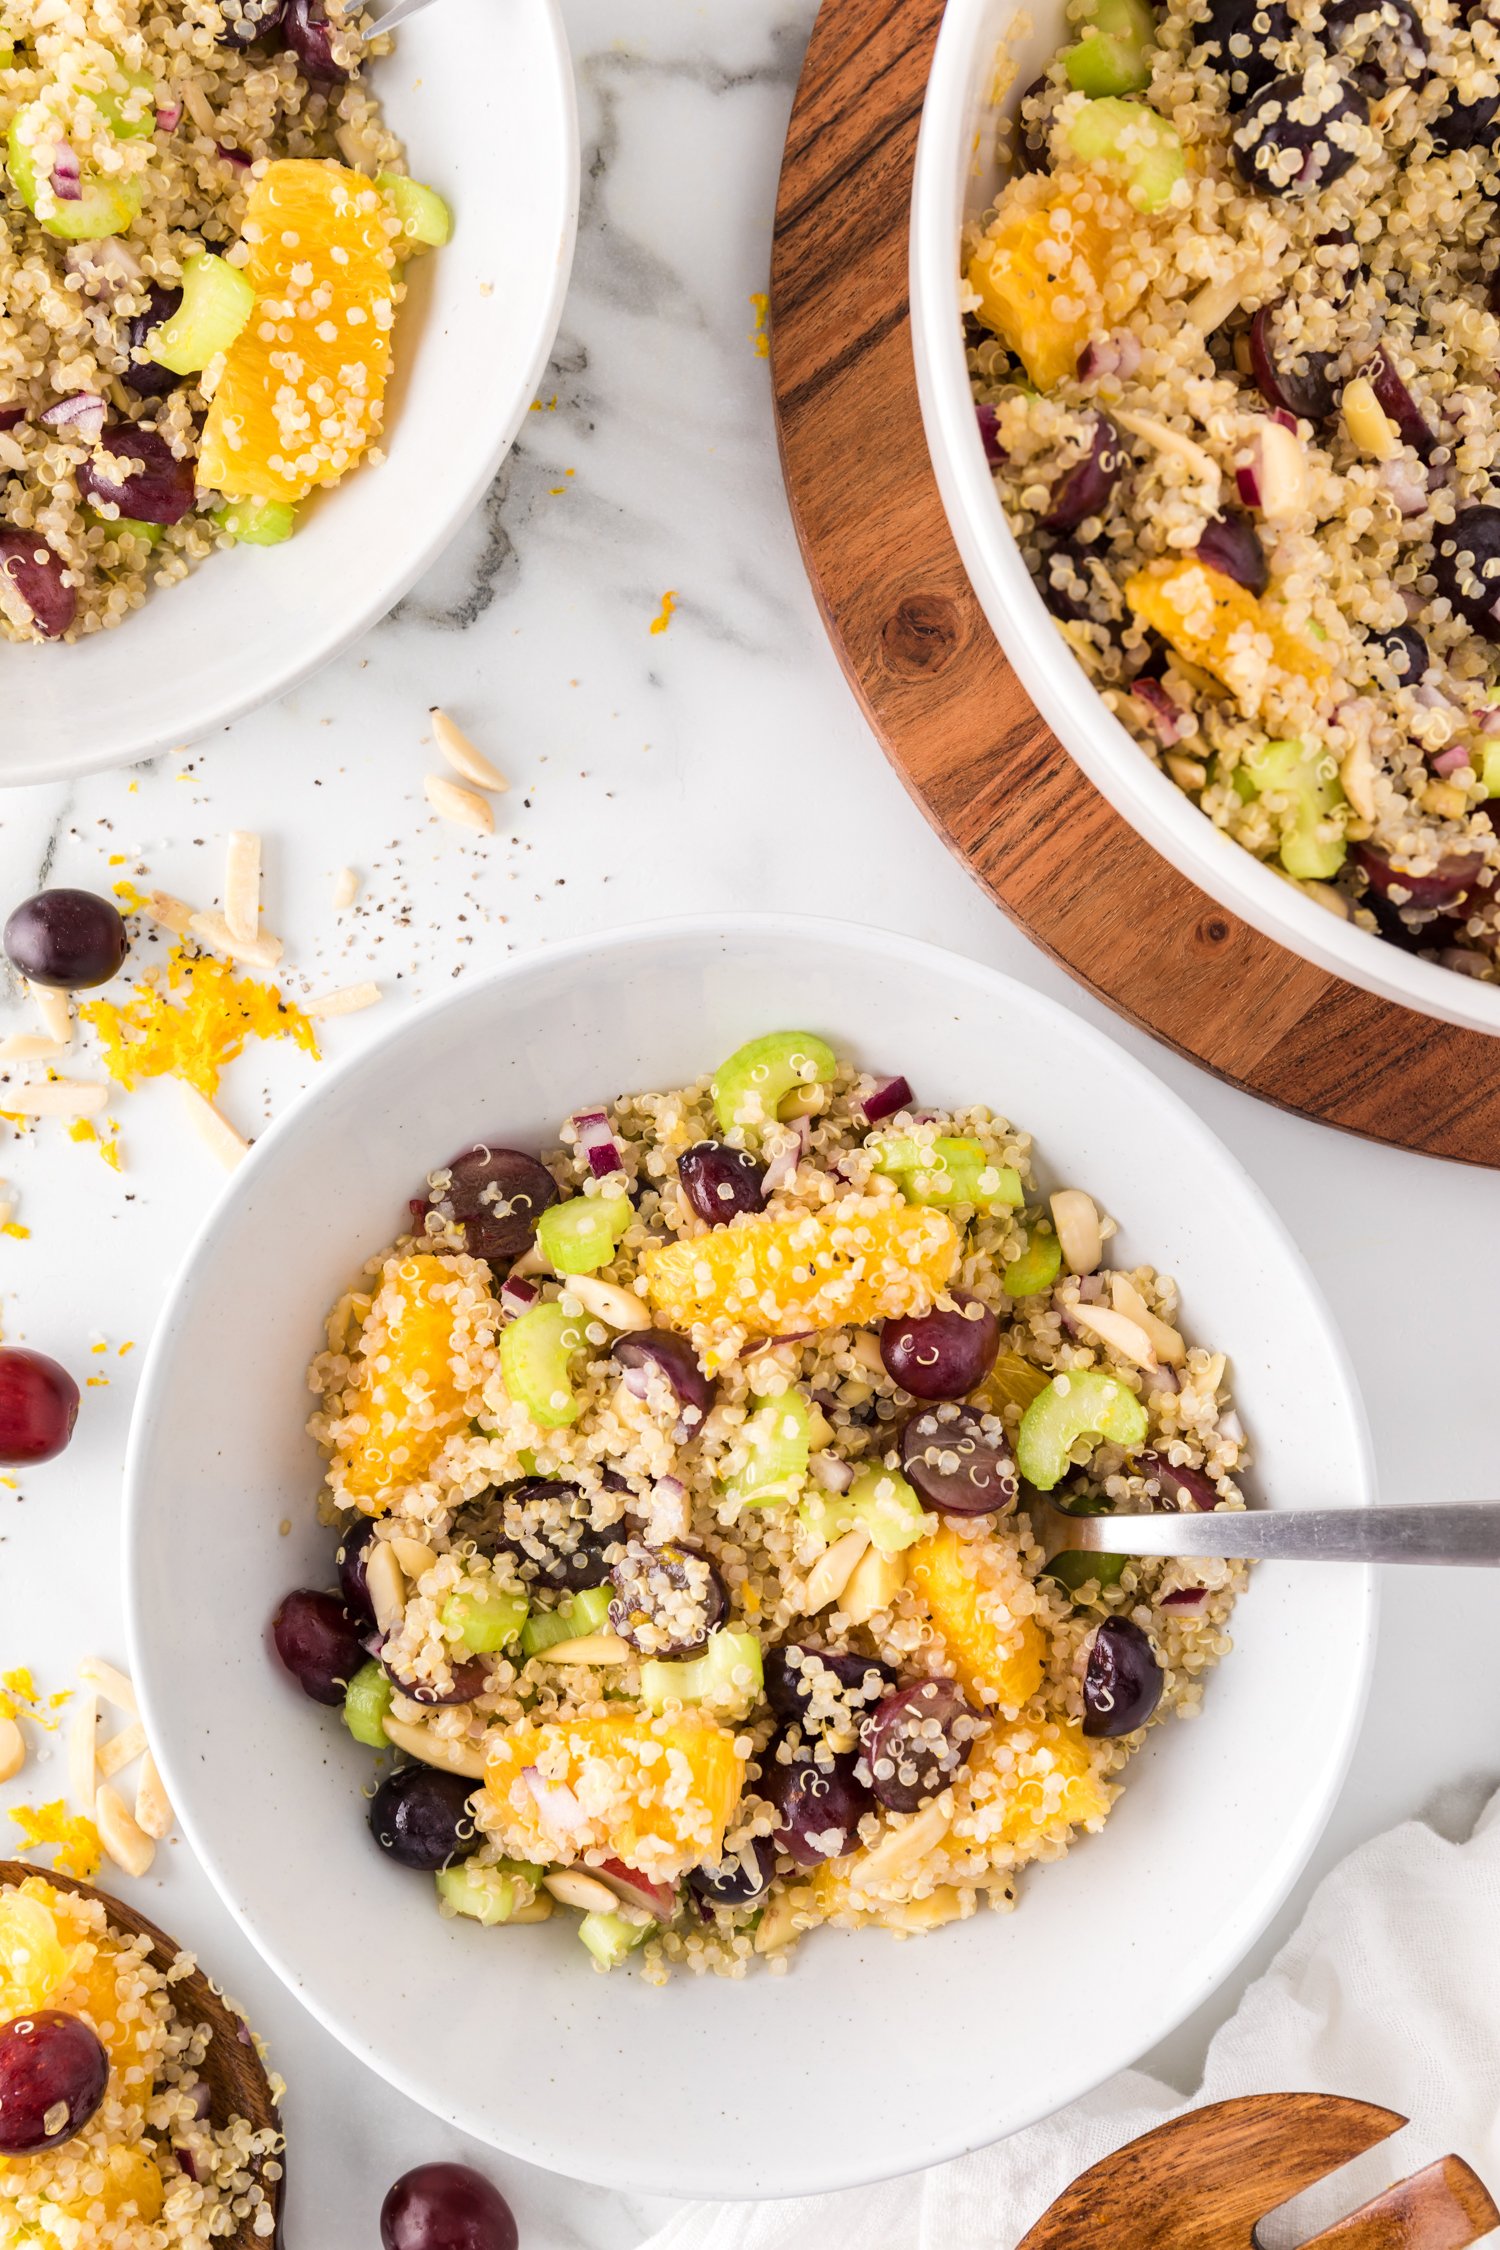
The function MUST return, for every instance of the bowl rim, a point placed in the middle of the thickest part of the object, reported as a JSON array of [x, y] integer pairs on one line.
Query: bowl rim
[[214, 708], [834, 2172], [1047, 668]]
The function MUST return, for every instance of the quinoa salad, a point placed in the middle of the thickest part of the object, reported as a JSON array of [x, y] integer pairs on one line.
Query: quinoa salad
[[1233, 341], [203, 222], [678, 1480], [105, 2141]]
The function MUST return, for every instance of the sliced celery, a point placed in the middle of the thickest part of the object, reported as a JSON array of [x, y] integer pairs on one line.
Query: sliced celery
[[879, 1499], [779, 1440], [947, 1170], [1489, 770], [217, 300], [536, 1357], [1304, 783], [609, 1937], [257, 523], [128, 104], [1082, 1401], [714, 1678], [581, 1235], [425, 217], [1038, 1266], [367, 1699], [572, 1620], [490, 1895], [750, 1087], [102, 207], [126, 527], [486, 1622], [1133, 139]]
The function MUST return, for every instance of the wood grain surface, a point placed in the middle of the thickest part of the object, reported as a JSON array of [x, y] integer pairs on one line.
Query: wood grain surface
[[954, 720], [232, 2069]]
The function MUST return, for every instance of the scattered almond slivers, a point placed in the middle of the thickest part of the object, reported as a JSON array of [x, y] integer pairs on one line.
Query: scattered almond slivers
[[441, 1750], [262, 952], [57, 1017], [345, 889], [120, 1751], [1076, 1218], [1124, 1336], [242, 885], [415, 1557], [56, 1097], [170, 913], [1166, 1341], [126, 1842], [590, 1648], [464, 806], [30, 1046], [112, 1684], [572, 1886], [346, 1001], [12, 1749], [462, 755], [83, 1737], [385, 1584], [831, 1573], [214, 1128], [153, 1811]]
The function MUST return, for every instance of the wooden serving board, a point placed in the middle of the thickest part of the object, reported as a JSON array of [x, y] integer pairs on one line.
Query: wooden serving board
[[952, 716]]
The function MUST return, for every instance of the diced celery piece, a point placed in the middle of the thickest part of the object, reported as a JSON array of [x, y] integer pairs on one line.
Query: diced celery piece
[[1130, 136], [1489, 769], [779, 1436], [217, 300], [572, 1620], [1100, 65], [580, 1236], [536, 1356], [424, 216], [489, 1895], [367, 1699], [750, 1087], [1038, 1266], [486, 1622], [879, 1499], [126, 527], [710, 1678], [609, 1937], [1306, 783], [947, 1170], [101, 208], [1084, 1400], [128, 104], [257, 523], [7, 50]]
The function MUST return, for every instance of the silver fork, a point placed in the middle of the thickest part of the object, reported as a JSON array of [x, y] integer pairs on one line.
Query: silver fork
[[1446, 1532]]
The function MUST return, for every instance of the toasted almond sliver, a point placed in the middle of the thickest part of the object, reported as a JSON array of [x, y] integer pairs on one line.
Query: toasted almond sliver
[[112, 1684], [242, 885], [52, 1007], [415, 1557], [171, 913], [55, 1097], [153, 1810], [121, 1750], [466, 1758], [462, 755], [590, 1648], [30, 1046], [1166, 1341], [126, 1842], [831, 1573], [1216, 300], [260, 952], [570, 1886], [345, 889], [1076, 1218], [461, 805], [214, 1128], [83, 1743], [618, 1308], [12, 1749], [385, 1584], [346, 1001], [901, 1851], [1126, 1337]]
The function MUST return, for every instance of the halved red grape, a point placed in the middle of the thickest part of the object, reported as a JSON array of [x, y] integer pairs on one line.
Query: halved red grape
[[421, 1817], [644, 1351], [1231, 544], [446, 2207], [351, 1555], [38, 1407], [147, 377], [68, 940], [721, 1182], [1300, 133], [320, 1642], [1085, 490], [33, 588], [917, 1740], [796, 1678], [1123, 1682], [136, 471], [309, 34], [668, 1599], [545, 1524], [469, 1678], [1397, 401], [739, 1880], [1454, 876], [1300, 386], [1190, 1488], [959, 1460], [53, 2075], [497, 1195], [1466, 565], [945, 1353], [821, 1800]]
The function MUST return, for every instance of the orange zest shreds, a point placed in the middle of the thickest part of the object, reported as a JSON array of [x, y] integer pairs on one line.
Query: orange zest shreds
[[75, 1838], [301, 394], [862, 1260], [410, 1381], [996, 1645], [654, 1793], [760, 305], [194, 1024], [129, 897], [84, 1129], [663, 617], [1042, 273], [1222, 627], [1047, 1781], [20, 1698], [16, 1231]]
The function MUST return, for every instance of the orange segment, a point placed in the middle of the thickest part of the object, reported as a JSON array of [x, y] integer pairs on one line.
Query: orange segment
[[1046, 1780], [655, 1793], [300, 395], [1221, 627], [862, 1261], [409, 1397], [981, 1604], [1042, 272]]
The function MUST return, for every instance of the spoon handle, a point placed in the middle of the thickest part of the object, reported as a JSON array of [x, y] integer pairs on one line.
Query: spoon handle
[[1449, 1532]]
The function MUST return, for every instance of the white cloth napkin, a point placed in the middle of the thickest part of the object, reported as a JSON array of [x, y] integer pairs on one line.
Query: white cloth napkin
[[1389, 1991]]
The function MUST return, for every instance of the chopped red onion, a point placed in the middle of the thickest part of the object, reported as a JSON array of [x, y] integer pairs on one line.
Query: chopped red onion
[[558, 1809], [1168, 722], [11, 415], [786, 1160], [1247, 484], [1092, 1289], [203, 2100], [168, 119], [1162, 1378], [1232, 1428], [659, 1900], [1449, 760], [517, 1296], [833, 1474], [1489, 719], [1406, 484], [67, 179], [984, 414], [1285, 421], [83, 412], [597, 1142], [187, 2163], [1117, 354], [1462, 961], [234, 156], [891, 1094]]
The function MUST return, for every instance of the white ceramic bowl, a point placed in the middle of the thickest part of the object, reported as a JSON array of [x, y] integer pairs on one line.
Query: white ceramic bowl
[[871, 2056], [481, 91], [957, 176]]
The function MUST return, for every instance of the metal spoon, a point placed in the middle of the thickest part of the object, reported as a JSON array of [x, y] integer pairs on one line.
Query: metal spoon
[[1448, 1532], [398, 12]]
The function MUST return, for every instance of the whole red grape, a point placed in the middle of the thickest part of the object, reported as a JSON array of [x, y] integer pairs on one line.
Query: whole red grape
[[446, 2207], [38, 1406]]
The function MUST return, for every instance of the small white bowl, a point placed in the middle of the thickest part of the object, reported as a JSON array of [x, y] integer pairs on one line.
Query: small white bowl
[[957, 177], [871, 2056], [481, 92]]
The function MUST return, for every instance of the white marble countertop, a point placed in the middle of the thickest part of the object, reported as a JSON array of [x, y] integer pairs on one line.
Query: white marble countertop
[[719, 764]]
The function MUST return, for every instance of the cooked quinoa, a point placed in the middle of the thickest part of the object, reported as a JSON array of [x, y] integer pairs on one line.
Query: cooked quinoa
[[149, 125], [1234, 345], [680, 1606], [149, 2170]]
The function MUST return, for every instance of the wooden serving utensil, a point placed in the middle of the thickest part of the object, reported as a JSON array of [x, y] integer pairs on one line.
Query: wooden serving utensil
[[1204, 2180], [231, 2070]]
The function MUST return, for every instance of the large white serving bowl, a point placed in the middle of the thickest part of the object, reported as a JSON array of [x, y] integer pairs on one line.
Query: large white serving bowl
[[957, 176], [871, 2056], [481, 92]]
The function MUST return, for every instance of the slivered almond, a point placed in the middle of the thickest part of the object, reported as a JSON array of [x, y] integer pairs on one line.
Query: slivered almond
[[83, 1743], [618, 1308], [1076, 1218], [1367, 422], [112, 1684], [214, 1127], [415, 1557], [170, 913], [242, 885], [873, 1585], [30, 1046], [345, 889], [539, 1910], [121, 1750], [346, 1001], [385, 1584], [1188, 773], [123, 1838], [462, 755], [590, 1648], [1166, 1341], [52, 1007], [901, 1851], [831, 1573], [261, 952], [570, 1886], [12, 1749], [778, 1924], [464, 806], [1123, 1336], [1216, 300], [1175, 442], [441, 1750], [153, 1810], [55, 1097]]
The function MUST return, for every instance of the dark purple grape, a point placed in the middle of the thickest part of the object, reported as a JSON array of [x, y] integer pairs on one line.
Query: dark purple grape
[[469, 1678], [1381, 41], [497, 1195], [1190, 1488], [351, 1555], [1466, 565], [145, 376], [53, 2076], [38, 1407], [820, 1800], [1301, 132], [309, 34], [1122, 1685], [446, 2207], [136, 471], [245, 21], [721, 1182], [667, 1599], [1243, 40], [320, 1642], [1231, 544], [1399, 404], [422, 1817], [1084, 491], [1408, 653], [645, 1352], [916, 1741], [958, 1459], [545, 1525], [1454, 876], [11, 415], [944, 1353], [1298, 384], [70, 940], [798, 1676], [987, 418], [737, 1881], [1064, 581], [1467, 125], [35, 590]]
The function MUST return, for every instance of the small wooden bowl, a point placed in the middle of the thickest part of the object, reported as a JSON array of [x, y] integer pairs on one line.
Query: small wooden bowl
[[232, 2069]]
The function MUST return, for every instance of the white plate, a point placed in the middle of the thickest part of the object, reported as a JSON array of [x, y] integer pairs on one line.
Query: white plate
[[957, 176], [481, 91], [871, 2056]]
